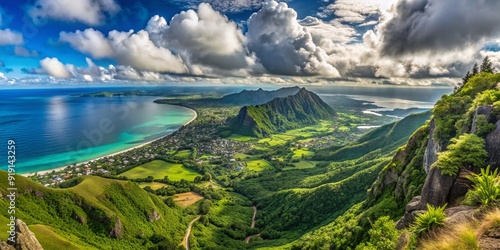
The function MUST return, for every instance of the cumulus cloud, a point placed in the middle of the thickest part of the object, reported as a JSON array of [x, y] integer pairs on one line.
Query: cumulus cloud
[[90, 12], [54, 68], [9, 37], [2, 77], [89, 41], [139, 52], [203, 38], [333, 31], [356, 11], [439, 25], [283, 45], [128, 48]]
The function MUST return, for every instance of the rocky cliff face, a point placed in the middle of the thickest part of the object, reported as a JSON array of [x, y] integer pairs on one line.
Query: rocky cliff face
[[25, 239], [493, 146], [432, 149], [440, 189]]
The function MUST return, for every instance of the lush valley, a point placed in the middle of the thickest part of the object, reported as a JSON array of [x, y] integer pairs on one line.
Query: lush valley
[[316, 180]]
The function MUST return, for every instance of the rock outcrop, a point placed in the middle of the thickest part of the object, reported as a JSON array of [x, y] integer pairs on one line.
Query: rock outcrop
[[25, 239], [493, 146], [432, 149], [117, 231], [153, 216], [440, 189]]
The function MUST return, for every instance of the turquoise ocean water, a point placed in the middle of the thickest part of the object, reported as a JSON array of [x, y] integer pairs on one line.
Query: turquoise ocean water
[[53, 129]]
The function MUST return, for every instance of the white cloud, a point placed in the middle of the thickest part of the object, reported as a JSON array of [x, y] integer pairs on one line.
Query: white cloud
[[283, 45], [231, 6], [9, 37], [128, 48], [357, 11], [90, 12], [90, 42], [333, 31], [3, 77], [54, 68], [139, 52], [205, 39]]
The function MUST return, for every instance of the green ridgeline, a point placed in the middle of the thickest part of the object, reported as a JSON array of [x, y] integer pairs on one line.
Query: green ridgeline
[[293, 203], [281, 114], [96, 213], [453, 115], [384, 139]]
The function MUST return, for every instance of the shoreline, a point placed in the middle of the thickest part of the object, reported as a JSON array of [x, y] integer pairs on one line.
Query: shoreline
[[43, 172]]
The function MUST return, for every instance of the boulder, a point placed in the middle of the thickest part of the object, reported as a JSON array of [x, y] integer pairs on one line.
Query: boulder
[[460, 214], [25, 239]]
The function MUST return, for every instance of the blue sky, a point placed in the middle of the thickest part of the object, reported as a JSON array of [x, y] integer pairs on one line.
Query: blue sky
[[246, 41]]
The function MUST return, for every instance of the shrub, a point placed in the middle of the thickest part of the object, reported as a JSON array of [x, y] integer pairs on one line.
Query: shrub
[[467, 150], [486, 188], [483, 126], [431, 219], [383, 235]]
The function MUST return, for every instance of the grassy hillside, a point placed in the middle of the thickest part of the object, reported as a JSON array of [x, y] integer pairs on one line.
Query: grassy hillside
[[404, 177], [384, 139], [96, 213]]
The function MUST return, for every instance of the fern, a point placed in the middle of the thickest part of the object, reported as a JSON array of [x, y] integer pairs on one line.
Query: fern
[[486, 188], [431, 219]]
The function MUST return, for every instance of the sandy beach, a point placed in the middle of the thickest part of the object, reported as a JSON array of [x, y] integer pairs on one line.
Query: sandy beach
[[109, 155]]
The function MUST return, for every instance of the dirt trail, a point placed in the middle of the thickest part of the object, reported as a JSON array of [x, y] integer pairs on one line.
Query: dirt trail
[[185, 242], [247, 239], [253, 217]]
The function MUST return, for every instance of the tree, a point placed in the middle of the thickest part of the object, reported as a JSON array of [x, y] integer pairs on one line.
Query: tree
[[205, 206], [475, 69], [383, 235], [486, 66], [467, 150], [207, 176], [466, 78]]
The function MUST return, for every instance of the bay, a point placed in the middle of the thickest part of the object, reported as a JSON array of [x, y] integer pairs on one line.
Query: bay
[[51, 128]]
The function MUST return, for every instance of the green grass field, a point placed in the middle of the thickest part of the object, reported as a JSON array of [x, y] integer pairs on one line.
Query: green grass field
[[158, 169], [242, 138], [298, 153], [245, 157], [184, 153], [258, 165], [50, 240], [303, 165]]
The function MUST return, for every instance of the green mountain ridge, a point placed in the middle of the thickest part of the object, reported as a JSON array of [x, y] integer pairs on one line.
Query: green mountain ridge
[[281, 114], [97, 213], [256, 97]]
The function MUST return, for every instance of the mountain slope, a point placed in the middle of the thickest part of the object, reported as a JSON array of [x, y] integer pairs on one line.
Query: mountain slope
[[281, 114], [256, 97], [417, 176], [386, 138], [97, 213]]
